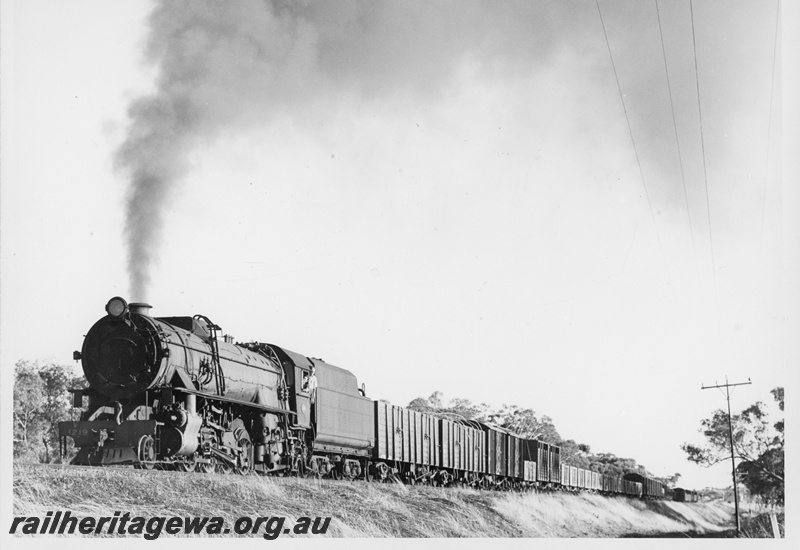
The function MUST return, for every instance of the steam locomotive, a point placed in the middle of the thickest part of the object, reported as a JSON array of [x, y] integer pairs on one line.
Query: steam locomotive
[[173, 393]]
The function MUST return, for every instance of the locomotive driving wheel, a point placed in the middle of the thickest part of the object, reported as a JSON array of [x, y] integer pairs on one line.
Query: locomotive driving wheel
[[313, 470], [205, 467], [244, 445], [245, 463], [223, 467], [146, 453], [381, 472], [300, 467], [188, 465]]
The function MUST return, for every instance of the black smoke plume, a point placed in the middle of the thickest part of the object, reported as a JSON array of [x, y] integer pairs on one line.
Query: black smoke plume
[[224, 67]]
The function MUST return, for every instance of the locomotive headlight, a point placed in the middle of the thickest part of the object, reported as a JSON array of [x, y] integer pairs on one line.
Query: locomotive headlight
[[116, 307]]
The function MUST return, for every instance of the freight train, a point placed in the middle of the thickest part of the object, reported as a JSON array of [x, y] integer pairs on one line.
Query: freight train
[[174, 393]]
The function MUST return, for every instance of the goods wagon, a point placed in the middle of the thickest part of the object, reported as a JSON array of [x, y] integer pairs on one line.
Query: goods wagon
[[515, 460], [651, 488], [612, 484], [684, 495], [463, 450], [547, 459], [497, 446], [555, 463], [632, 488], [407, 440], [569, 476], [505, 458]]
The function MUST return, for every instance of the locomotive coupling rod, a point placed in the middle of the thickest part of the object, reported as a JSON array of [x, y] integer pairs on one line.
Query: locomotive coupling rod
[[224, 456]]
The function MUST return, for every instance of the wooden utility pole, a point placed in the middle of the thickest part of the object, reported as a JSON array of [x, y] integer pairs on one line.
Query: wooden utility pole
[[728, 387]]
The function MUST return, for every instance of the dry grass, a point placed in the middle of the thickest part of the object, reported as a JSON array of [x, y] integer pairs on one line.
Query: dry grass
[[358, 509], [758, 525], [590, 515]]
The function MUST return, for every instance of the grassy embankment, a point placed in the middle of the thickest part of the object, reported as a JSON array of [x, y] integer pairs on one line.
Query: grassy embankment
[[358, 509]]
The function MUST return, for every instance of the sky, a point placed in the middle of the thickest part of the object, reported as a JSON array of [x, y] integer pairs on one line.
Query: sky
[[474, 198]]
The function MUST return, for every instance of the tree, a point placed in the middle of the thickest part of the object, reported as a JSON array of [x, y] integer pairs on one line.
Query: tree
[[756, 443], [466, 409], [672, 480], [28, 400], [525, 423], [455, 408], [420, 404], [41, 401], [572, 454], [610, 464]]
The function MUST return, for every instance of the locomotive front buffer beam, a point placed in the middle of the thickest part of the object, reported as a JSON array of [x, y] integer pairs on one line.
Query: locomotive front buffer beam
[[105, 442]]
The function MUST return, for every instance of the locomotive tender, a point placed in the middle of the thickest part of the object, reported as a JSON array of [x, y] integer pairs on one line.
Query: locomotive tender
[[168, 392]]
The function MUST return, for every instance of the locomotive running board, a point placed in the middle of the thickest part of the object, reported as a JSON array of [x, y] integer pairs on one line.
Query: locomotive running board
[[234, 401]]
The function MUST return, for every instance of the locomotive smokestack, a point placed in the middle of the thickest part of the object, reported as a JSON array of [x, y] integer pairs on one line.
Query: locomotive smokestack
[[140, 308]]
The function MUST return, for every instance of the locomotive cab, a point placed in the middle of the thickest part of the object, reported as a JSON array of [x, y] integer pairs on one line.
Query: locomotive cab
[[295, 368]]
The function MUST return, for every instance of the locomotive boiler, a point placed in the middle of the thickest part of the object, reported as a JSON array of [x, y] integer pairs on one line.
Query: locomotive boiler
[[172, 392]]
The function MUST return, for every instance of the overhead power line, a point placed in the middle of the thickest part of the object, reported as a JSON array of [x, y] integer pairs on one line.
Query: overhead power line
[[633, 142], [677, 141], [705, 170], [769, 123]]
